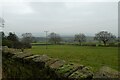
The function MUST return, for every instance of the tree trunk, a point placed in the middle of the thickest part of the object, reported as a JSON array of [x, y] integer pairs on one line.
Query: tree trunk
[[104, 43], [80, 43]]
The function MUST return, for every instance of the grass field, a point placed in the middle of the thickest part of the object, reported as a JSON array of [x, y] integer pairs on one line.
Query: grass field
[[89, 56]]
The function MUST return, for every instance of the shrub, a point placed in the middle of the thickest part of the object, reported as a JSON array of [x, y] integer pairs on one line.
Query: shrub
[[27, 45], [118, 44], [18, 45], [89, 44], [112, 45]]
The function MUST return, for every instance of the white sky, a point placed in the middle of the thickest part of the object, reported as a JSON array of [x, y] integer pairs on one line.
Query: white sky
[[63, 17]]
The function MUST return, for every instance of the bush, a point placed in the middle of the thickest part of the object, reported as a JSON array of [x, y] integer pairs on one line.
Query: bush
[[113, 45], [7, 43], [12, 41], [18, 45], [27, 45], [109, 45], [118, 44], [89, 44]]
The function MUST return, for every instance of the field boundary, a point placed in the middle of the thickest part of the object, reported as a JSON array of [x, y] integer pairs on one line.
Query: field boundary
[[55, 68]]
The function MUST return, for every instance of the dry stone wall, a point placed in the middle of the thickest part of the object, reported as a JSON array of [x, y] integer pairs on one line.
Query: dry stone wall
[[59, 68], [56, 69]]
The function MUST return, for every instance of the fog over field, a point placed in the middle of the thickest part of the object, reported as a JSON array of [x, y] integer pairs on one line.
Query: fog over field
[[65, 18]]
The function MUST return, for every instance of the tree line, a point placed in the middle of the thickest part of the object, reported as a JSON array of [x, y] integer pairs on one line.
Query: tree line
[[102, 37], [13, 41]]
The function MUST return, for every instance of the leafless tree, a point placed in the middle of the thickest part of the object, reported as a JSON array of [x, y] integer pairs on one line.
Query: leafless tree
[[104, 36], [54, 38], [27, 37], [80, 38]]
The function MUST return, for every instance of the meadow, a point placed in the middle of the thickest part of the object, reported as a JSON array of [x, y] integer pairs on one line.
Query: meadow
[[94, 57]]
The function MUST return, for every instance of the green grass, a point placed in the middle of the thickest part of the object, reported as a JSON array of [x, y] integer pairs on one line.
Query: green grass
[[95, 57]]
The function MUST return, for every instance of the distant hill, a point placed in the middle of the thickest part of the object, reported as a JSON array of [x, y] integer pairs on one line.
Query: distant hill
[[39, 39], [64, 39]]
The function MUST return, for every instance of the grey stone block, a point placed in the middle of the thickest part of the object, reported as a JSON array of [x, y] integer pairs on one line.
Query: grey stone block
[[82, 73], [22, 55], [31, 57], [57, 64], [67, 69], [41, 58], [107, 72], [51, 61]]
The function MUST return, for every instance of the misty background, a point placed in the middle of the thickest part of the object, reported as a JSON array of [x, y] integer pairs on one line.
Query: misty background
[[64, 18]]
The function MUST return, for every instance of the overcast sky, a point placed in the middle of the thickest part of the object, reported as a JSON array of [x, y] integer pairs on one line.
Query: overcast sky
[[65, 17]]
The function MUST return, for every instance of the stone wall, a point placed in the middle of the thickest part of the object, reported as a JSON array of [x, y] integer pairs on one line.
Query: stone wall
[[42, 67]]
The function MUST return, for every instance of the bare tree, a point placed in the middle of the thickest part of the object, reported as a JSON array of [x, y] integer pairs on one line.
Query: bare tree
[[54, 38], [27, 39], [80, 38], [104, 36]]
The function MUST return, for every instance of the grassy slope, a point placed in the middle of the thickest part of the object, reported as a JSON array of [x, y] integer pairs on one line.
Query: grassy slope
[[89, 56]]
